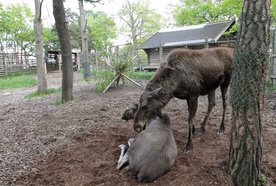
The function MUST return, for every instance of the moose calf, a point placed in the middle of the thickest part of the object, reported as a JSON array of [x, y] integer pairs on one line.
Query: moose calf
[[152, 152]]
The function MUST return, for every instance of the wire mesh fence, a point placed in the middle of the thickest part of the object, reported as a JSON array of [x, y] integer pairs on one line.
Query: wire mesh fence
[[250, 65]]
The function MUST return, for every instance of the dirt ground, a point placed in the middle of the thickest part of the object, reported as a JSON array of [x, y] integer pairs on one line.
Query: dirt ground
[[77, 143]]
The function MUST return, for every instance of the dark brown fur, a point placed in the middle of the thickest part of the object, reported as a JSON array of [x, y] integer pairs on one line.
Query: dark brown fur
[[129, 113], [187, 74]]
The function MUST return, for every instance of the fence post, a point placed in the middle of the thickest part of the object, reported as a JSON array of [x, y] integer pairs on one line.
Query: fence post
[[5, 64], [206, 43], [59, 63], [274, 41], [78, 60], [160, 53], [117, 54], [272, 70], [97, 61]]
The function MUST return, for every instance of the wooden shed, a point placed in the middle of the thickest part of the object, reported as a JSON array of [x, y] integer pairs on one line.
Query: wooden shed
[[54, 62], [200, 36]]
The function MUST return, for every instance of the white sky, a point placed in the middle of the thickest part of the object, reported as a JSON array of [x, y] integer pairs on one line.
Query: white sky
[[111, 7]]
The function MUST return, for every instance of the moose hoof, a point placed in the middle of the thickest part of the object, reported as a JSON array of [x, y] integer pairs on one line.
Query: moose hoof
[[122, 147], [187, 149], [220, 132], [200, 131]]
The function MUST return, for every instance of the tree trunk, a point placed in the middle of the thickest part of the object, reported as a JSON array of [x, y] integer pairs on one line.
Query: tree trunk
[[84, 42], [247, 91], [65, 48], [40, 65]]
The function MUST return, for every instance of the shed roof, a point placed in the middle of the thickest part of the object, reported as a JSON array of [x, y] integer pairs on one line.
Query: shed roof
[[187, 35]]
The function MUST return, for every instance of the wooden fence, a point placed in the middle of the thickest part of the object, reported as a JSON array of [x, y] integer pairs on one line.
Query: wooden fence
[[15, 62]]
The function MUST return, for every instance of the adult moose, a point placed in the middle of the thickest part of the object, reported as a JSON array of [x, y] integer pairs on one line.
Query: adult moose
[[187, 74]]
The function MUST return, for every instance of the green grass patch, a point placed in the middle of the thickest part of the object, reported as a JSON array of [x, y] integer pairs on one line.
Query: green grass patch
[[48, 91], [80, 71], [12, 82], [262, 180], [25, 72], [140, 75], [269, 86], [104, 77], [59, 102]]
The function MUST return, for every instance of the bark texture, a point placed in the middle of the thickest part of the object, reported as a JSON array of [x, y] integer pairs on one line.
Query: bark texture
[[84, 42], [40, 64], [247, 90], [65, 49]]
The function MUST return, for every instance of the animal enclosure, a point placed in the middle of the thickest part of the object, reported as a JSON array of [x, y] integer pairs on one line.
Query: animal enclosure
[[15, 62], [52, 146], [18, 62]]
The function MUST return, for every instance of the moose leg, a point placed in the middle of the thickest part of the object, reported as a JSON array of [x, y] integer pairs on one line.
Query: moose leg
[[192, 107], [193, 130], [211, 104], [130, 141], [224, 90], [123, 159]]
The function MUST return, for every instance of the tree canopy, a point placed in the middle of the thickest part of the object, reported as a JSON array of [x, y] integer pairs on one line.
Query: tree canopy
[[140, 22], [191, 12], [101, 30], [16, 27]]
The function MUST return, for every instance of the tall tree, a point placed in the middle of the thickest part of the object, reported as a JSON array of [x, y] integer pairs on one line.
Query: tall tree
[[191, 12], [273, 13], [84, 39], [247, 90], [50, 38], [101, 29], [40, 65], [16, 29], [65, 48], [74, 28], [140, 21]]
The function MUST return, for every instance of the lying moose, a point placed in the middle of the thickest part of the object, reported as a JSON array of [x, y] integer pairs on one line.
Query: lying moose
[[152, 152], [187, 74]]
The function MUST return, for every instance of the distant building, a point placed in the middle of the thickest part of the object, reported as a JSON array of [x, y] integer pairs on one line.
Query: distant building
[[54, 62], [200, 36]]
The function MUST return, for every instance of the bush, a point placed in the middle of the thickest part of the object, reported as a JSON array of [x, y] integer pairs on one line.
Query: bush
[[262, 180], [104, 79]]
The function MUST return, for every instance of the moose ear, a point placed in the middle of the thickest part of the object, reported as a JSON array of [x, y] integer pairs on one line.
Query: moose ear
[[144, 103], [134, 105], [154, 93], [143, 85]]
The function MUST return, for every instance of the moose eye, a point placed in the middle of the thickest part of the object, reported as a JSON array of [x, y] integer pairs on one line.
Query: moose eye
[[145, 107]]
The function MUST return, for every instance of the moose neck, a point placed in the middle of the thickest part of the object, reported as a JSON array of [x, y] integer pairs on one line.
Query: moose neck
[[165, 93]]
